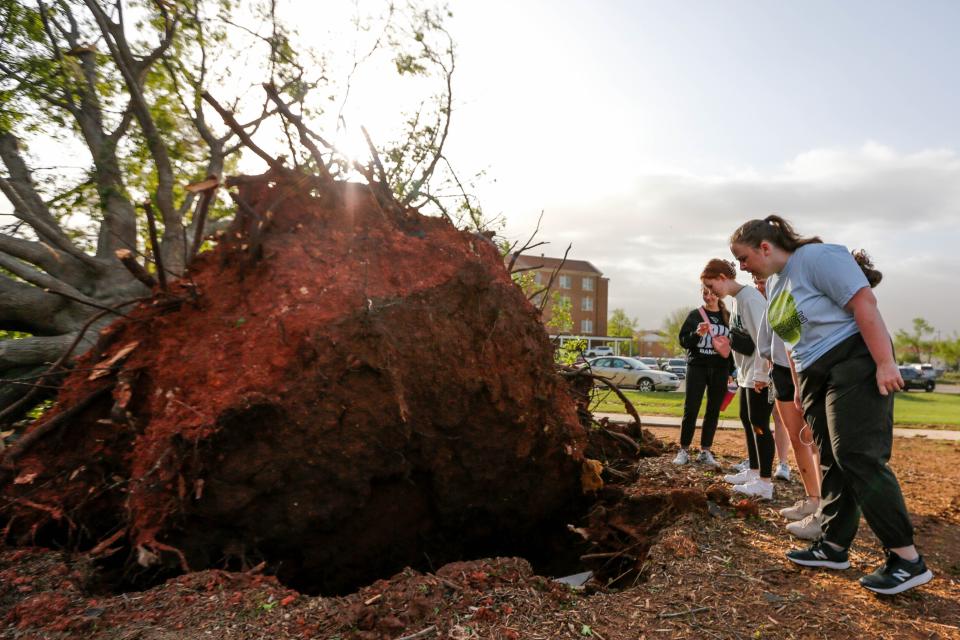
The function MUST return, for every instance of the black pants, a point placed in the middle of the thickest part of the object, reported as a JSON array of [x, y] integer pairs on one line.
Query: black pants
[[853, 426], [755, 410], [713, 380]]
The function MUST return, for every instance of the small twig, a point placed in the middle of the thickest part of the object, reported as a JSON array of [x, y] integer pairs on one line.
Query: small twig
[[381, 174], [420, 634], [611, 554], [526, 245], [155, 244], [683, 613], [553, 276]]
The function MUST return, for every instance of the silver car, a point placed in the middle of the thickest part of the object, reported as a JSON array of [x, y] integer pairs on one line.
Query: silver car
[[630, 372]]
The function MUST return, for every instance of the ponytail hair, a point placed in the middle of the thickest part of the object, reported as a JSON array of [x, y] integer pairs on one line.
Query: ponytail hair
[[866, 265], [724, 311], [772, 229]]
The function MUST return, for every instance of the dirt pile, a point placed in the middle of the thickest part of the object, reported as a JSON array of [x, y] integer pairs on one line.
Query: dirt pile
[[338, 390]]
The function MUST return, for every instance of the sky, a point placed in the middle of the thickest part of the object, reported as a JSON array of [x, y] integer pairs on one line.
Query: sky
[[647, 132]]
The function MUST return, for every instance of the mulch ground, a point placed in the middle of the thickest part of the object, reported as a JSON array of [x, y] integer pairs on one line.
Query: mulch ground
[[707, 576]]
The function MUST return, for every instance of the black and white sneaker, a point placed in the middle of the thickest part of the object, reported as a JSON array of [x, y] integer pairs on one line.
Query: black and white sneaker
[[820, 554], [897, 575]]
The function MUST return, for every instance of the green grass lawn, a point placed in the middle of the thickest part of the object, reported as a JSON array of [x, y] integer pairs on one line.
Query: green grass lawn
[[914, 408]]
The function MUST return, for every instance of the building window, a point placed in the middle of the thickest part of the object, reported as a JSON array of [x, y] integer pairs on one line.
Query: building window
[[586, 326], [588, 284], [566, 282], [586, 304], [537, 278]]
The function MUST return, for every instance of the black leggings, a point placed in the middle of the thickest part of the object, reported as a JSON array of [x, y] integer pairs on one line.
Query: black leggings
[[755, 410], [713, 380]]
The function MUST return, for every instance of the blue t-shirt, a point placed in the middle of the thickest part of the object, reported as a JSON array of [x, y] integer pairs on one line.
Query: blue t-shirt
[[807, 300]]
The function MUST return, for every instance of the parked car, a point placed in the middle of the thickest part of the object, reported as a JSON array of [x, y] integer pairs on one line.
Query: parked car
[[927, 370], [650, 361], [913, 378], [596, 352], [630, 372], [677, 366]]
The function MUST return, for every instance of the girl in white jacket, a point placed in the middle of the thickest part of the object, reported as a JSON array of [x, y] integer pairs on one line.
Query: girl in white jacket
[[746, 316]]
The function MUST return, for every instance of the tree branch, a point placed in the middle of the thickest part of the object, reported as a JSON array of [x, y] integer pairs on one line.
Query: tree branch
[[553, 276], [526, 245], [132, 74], [302, 130], [24, 307], [231, 122], [447, 111], [42, 280]]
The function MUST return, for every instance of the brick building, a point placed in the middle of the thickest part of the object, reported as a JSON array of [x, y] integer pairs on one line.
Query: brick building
[[579, 281]]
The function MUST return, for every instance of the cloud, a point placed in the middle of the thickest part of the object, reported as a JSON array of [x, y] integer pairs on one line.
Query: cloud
[[904, 208]]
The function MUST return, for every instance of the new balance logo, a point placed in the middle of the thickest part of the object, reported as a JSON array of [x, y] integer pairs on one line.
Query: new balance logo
[[819, 555], [901, 574]]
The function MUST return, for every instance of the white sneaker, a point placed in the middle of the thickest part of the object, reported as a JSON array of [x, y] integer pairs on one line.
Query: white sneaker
[[707, 459], [806, 529], [756, 489], [742, 477], [682, 457], [741, 466], [782, 472], [800, 509]]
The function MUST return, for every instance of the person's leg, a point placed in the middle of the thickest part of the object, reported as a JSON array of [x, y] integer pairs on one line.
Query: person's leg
[[760, 409], [696, 383], [860, 421], [716, 390], [807, 464], [781, 439], [839, 513], [747, 429]]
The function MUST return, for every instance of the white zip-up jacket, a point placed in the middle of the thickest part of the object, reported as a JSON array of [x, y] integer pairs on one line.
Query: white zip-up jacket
[[749, 306]]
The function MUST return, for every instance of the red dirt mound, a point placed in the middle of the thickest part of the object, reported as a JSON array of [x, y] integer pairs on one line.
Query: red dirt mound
[[338, 389]]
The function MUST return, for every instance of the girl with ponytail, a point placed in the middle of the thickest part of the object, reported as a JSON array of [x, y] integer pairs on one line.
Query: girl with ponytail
[[822, 305]]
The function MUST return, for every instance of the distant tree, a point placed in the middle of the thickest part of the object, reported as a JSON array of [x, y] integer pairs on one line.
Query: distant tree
[[620, 325], [949, 351], [915, 344], [671, 330], [561, 318]]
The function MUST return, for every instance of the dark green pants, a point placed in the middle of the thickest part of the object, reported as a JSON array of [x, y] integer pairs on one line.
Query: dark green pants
[[853, 426]]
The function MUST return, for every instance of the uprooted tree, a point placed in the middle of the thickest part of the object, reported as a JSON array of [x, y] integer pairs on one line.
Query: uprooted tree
[[121, 83]]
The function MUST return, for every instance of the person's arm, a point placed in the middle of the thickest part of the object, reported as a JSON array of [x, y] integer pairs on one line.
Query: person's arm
[[753, 312], [689, 338], [863, 306]]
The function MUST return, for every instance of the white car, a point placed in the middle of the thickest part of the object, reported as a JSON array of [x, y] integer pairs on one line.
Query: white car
[[596, 352], [630, 372]]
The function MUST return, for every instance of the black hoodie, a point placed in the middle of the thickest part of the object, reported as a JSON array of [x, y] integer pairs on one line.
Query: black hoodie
[[700, 348]]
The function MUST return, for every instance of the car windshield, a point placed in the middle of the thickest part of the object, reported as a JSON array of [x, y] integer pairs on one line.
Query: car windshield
[[637, 364], [678, 363]]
